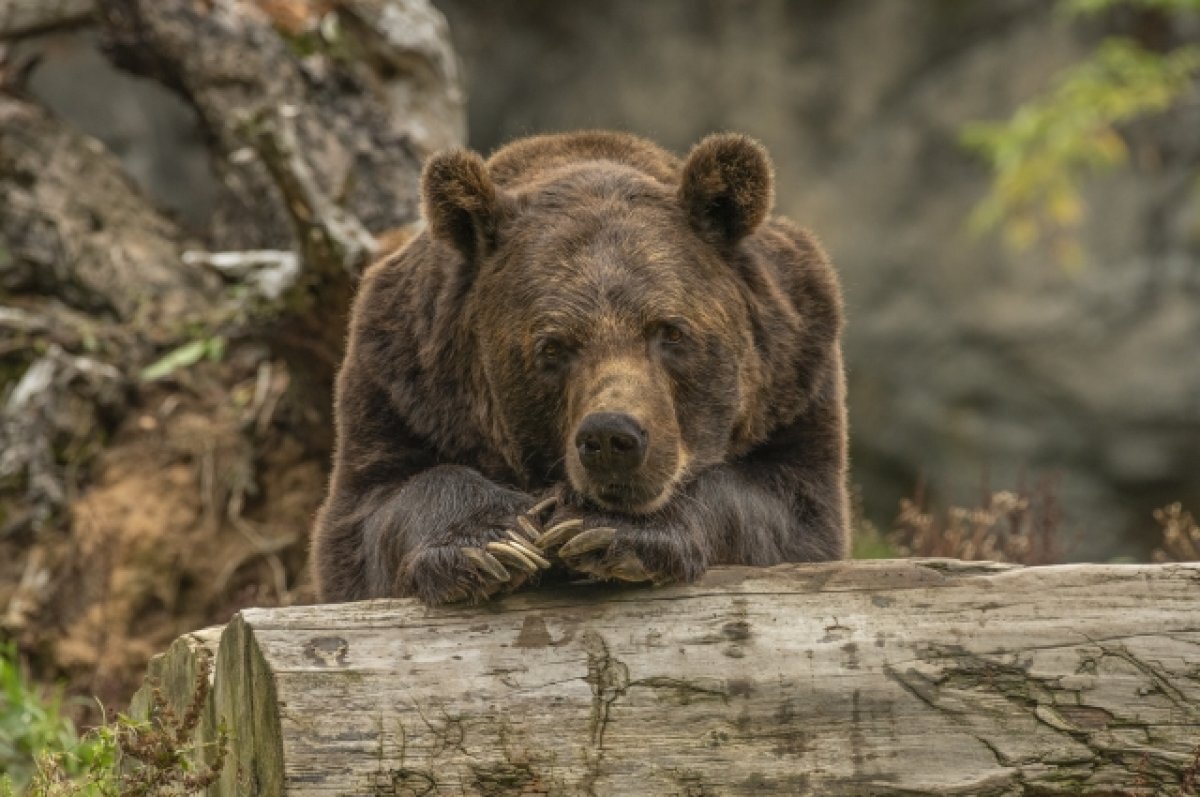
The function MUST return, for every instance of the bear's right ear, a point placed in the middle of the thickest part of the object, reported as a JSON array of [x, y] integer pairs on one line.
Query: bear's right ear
[[461, 202]]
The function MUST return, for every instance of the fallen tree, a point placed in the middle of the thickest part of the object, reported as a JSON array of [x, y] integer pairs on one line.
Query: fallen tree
[[870, 677]]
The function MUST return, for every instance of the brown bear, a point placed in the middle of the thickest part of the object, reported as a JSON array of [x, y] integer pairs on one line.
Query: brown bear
[[595, 360]]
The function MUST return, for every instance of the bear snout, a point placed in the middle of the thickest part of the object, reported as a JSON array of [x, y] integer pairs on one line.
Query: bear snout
[[611, 445], [623, 453]]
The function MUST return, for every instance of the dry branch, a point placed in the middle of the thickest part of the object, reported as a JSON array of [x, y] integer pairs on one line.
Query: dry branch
[[886, 677]]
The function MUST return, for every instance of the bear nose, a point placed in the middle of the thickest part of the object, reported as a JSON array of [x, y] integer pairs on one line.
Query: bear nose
[[610, 443]]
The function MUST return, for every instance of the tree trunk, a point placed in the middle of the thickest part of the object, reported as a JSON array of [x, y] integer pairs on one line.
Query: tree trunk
[[872, 677]]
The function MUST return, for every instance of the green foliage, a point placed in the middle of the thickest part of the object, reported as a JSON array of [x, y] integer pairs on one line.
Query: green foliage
[[1093, 6], [868, 543], [42, 755], [186, 355], [33, 727], [1040, 157]]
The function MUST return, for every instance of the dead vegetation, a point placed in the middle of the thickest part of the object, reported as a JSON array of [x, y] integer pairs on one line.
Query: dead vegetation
[[1024, 526], [163, 755], [1180, 539]]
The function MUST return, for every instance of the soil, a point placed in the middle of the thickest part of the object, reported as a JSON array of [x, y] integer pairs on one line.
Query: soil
[[199, 505]]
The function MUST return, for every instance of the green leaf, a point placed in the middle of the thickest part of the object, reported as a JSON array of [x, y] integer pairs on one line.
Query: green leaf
[[1042, 154], [1096, 6], [186, 355]]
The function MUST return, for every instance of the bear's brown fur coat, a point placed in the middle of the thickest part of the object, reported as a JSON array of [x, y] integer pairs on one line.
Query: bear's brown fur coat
[[574, 277]]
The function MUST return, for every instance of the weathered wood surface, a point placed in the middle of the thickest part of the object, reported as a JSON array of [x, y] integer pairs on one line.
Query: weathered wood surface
[[873, 677]]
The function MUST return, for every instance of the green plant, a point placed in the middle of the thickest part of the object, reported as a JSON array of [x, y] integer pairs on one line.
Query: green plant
[[186, 355], [42, 755], [866, 541], [1040, 157], [32, 724]]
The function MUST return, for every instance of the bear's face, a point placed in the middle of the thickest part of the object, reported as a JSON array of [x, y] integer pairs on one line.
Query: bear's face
[[611, 324], [611, 338]]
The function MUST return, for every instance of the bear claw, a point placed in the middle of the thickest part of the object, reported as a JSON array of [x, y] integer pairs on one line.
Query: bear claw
[[629, 568], [542, 506], [590, 540], [489, 564], [509, 554], [527, 527], [556, 535], [526, 548]]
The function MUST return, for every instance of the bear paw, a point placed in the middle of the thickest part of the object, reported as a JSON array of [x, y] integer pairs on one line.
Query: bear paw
[[624, 553], [501, 562]]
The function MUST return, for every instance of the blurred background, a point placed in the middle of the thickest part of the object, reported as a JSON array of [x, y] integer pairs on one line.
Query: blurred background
[[1010, 191]]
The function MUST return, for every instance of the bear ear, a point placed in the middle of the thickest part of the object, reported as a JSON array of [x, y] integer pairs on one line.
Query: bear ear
[[460, 202], [727, 187]]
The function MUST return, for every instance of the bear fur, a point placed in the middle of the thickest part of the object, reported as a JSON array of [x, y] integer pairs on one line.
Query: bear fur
[[566, 278]]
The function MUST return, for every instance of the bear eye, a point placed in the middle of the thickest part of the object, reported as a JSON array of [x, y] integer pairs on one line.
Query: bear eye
[[671, 333], [550, 352]]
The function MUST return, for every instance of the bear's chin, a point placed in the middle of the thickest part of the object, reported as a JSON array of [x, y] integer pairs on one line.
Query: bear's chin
[[629, 499], [630, 502]]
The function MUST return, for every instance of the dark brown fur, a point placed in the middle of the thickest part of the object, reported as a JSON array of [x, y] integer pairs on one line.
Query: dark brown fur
[[571, 274]]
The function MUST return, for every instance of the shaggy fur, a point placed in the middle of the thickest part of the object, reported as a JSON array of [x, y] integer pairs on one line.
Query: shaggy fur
[[576, 274]]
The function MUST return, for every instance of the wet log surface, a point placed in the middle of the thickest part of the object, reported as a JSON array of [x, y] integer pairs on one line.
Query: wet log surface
[[870, 677]]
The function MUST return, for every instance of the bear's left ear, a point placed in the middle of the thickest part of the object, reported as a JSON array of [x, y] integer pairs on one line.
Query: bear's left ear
[[727, 187], [461, 203]]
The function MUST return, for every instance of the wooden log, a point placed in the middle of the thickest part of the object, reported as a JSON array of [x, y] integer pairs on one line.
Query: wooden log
[[174, 674], [872, 677]]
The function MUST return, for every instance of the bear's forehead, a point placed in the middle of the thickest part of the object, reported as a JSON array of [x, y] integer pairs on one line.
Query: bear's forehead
[[615, 290], [615, 231], [603, 246]]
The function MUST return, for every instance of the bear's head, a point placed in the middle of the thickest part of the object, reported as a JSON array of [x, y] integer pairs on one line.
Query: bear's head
[[610, 313]]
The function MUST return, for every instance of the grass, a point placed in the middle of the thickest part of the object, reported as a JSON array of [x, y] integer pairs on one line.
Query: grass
[[33, 727], [42, 754]]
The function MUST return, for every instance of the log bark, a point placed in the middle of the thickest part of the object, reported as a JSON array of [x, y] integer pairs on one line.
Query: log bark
[[873, 677]]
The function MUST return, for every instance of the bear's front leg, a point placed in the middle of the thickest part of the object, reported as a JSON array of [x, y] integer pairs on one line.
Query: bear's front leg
[[660, 548], [446, 534]]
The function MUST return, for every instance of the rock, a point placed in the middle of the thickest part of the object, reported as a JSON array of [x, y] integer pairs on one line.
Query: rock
[[967, 362]]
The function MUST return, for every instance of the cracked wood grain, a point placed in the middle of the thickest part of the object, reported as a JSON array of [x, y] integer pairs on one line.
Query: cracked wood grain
[[882, 678]]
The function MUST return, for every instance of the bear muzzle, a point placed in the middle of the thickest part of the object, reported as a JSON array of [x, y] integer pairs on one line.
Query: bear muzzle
[[623, 452], [615, 465], [611, 445]]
